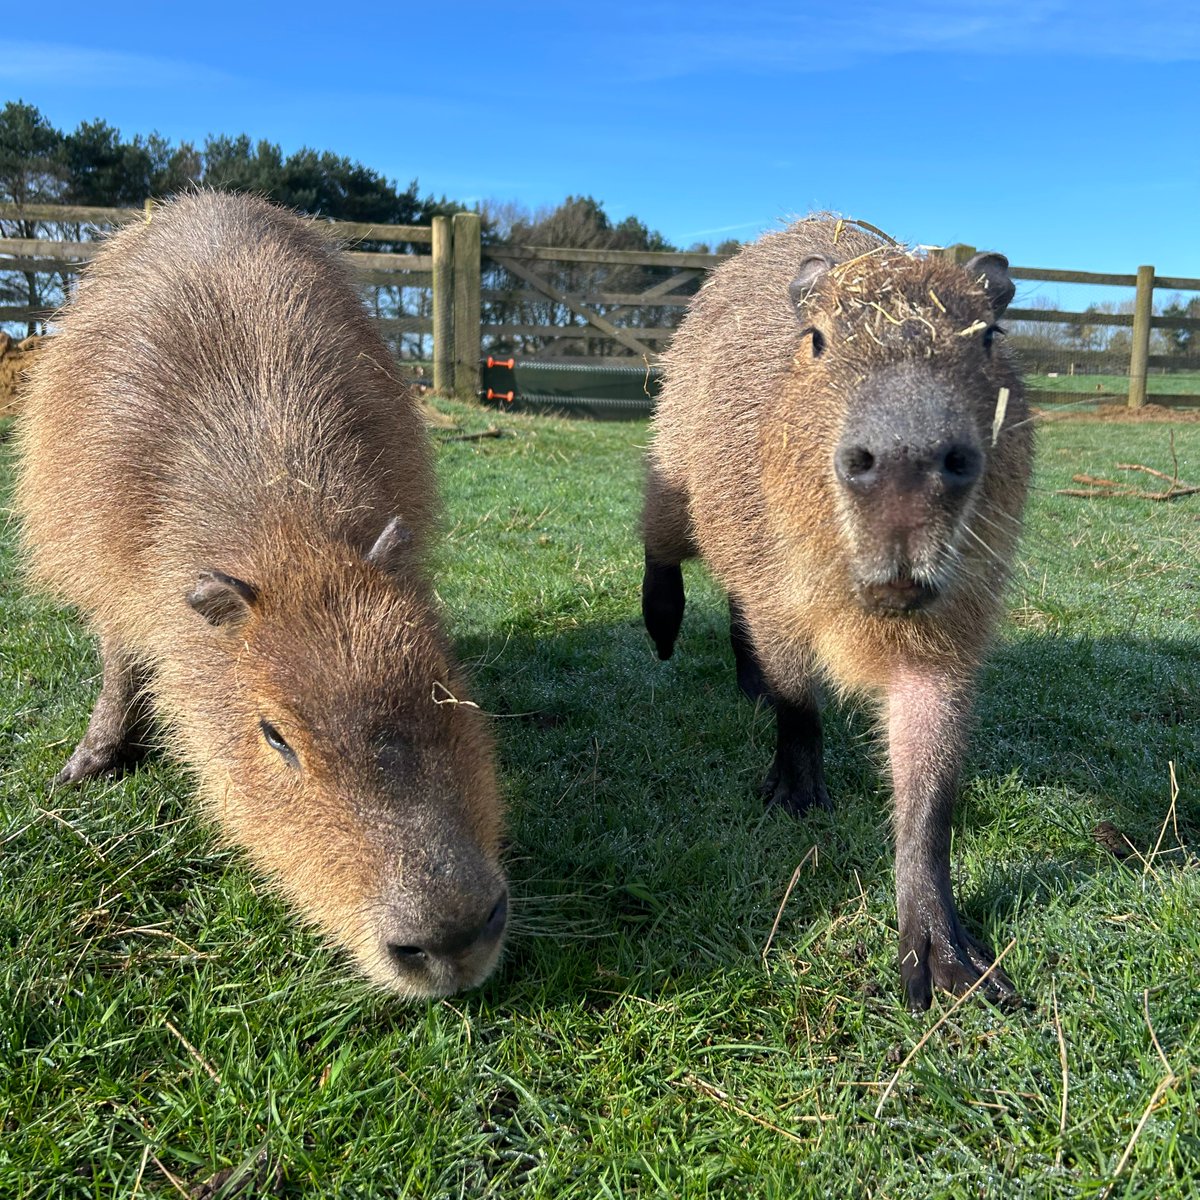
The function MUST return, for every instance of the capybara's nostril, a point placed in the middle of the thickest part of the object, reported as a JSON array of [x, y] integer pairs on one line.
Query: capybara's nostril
[[497, 919], [960, 465], [855, 466], [407, 956]]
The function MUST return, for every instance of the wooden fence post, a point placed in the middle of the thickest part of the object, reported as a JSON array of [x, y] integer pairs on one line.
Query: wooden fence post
[[958, 254], [467, 284], [443, 308], [1139, 351]]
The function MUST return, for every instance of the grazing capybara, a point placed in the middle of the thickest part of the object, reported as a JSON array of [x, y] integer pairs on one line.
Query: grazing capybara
[[220, 468], [844, 440]]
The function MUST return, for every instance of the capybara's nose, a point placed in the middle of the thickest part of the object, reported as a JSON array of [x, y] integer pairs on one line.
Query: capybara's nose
[[958, 465], [415, 951], [948, 465]]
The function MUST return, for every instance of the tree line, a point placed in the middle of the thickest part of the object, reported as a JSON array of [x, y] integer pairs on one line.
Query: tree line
[[96, 165]]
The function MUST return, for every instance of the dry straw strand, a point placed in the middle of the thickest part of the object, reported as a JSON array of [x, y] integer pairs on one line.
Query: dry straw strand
[[887, 1091], [810, 853]]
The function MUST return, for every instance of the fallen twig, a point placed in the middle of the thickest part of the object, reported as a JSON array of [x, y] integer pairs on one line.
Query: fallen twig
[[715, 1093], [1066, 1079], [1110, 487], [810, 853], [1098, 487], [1168, 1081], [491, 432], [887, 1091]]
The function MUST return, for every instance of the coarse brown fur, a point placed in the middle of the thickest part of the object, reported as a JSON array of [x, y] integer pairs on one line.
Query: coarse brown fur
[[892, 592], [221, 469]]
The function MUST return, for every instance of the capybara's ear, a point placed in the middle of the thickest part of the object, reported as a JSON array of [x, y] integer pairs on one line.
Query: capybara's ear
[[392, 547], [222, 600], [809, 271], [991, 269]]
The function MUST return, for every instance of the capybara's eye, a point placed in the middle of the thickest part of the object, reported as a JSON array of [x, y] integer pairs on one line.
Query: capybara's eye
[[275, 740], [988, 334], [818, 340]]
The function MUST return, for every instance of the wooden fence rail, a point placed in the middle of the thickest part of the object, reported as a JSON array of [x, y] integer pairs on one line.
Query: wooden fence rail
[[454, 269]]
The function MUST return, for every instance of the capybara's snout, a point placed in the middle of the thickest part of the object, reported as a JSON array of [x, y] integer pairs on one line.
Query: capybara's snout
[[940, 467], [909, 433], [434, 957], [907, 465], [440, 926]]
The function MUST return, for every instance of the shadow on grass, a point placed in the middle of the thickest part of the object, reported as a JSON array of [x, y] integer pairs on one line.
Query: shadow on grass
[[640, 849], [640, 845]]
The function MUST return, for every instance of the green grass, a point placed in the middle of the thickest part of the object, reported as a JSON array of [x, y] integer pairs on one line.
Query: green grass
[[162, 1014], [1181, 383]]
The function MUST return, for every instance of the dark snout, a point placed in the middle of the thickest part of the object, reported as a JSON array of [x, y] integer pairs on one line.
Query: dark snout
[[908, 461], [450, 951], [880, 466], [441, 924]]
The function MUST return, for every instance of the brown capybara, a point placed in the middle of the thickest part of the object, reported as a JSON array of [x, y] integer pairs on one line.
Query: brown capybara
[[220, 468], [843, 438]]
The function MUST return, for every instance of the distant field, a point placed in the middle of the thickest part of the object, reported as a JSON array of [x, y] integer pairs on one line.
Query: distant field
[[1186, 384], [163, 1018]]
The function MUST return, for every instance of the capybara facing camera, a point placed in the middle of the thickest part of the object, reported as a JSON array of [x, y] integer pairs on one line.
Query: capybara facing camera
[[220, 468], [857, 489]]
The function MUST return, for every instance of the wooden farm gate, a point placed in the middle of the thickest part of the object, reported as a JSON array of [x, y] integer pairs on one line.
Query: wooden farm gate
[[559, 305]]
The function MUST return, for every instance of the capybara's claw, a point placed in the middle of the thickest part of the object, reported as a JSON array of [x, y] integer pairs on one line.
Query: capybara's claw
[[87, 762], [953, 962]]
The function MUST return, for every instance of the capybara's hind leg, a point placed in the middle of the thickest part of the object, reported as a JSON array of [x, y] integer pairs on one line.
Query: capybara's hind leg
[[796, 780], [666, 529], [750, 676], [117, 733], [662, 603]]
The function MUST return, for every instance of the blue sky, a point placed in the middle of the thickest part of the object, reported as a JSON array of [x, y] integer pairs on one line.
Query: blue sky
[[1063, 134]]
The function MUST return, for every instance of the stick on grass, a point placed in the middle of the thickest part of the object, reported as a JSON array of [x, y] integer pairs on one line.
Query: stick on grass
[[887, 1091]]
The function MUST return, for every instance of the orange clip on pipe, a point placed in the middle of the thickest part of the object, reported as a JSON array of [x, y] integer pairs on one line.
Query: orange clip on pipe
[[500, 395], [501, 362]]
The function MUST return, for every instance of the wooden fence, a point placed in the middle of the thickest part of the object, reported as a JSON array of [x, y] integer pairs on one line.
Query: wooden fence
[[632, 318]]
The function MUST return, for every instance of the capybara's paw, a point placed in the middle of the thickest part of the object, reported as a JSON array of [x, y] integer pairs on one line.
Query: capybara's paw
[[88, 761], [795, 791], [954, 962]]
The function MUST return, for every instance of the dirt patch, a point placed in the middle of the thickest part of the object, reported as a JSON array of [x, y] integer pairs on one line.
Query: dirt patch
[[15, 357], [1147, 414]]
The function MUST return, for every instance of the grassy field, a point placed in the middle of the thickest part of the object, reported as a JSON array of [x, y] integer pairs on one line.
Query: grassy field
[[1181, 383], [163, 1020]]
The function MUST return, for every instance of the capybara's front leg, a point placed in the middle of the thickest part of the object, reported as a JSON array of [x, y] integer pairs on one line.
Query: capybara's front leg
[[927, 714], [117, 733], [796, 780]]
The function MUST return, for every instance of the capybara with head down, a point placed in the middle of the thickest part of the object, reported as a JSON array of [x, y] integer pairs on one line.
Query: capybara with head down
[[220, 468], [843, 438]]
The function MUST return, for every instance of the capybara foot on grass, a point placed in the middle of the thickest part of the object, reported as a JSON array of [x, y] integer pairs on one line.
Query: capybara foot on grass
[[796, 780], [119, 732]]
